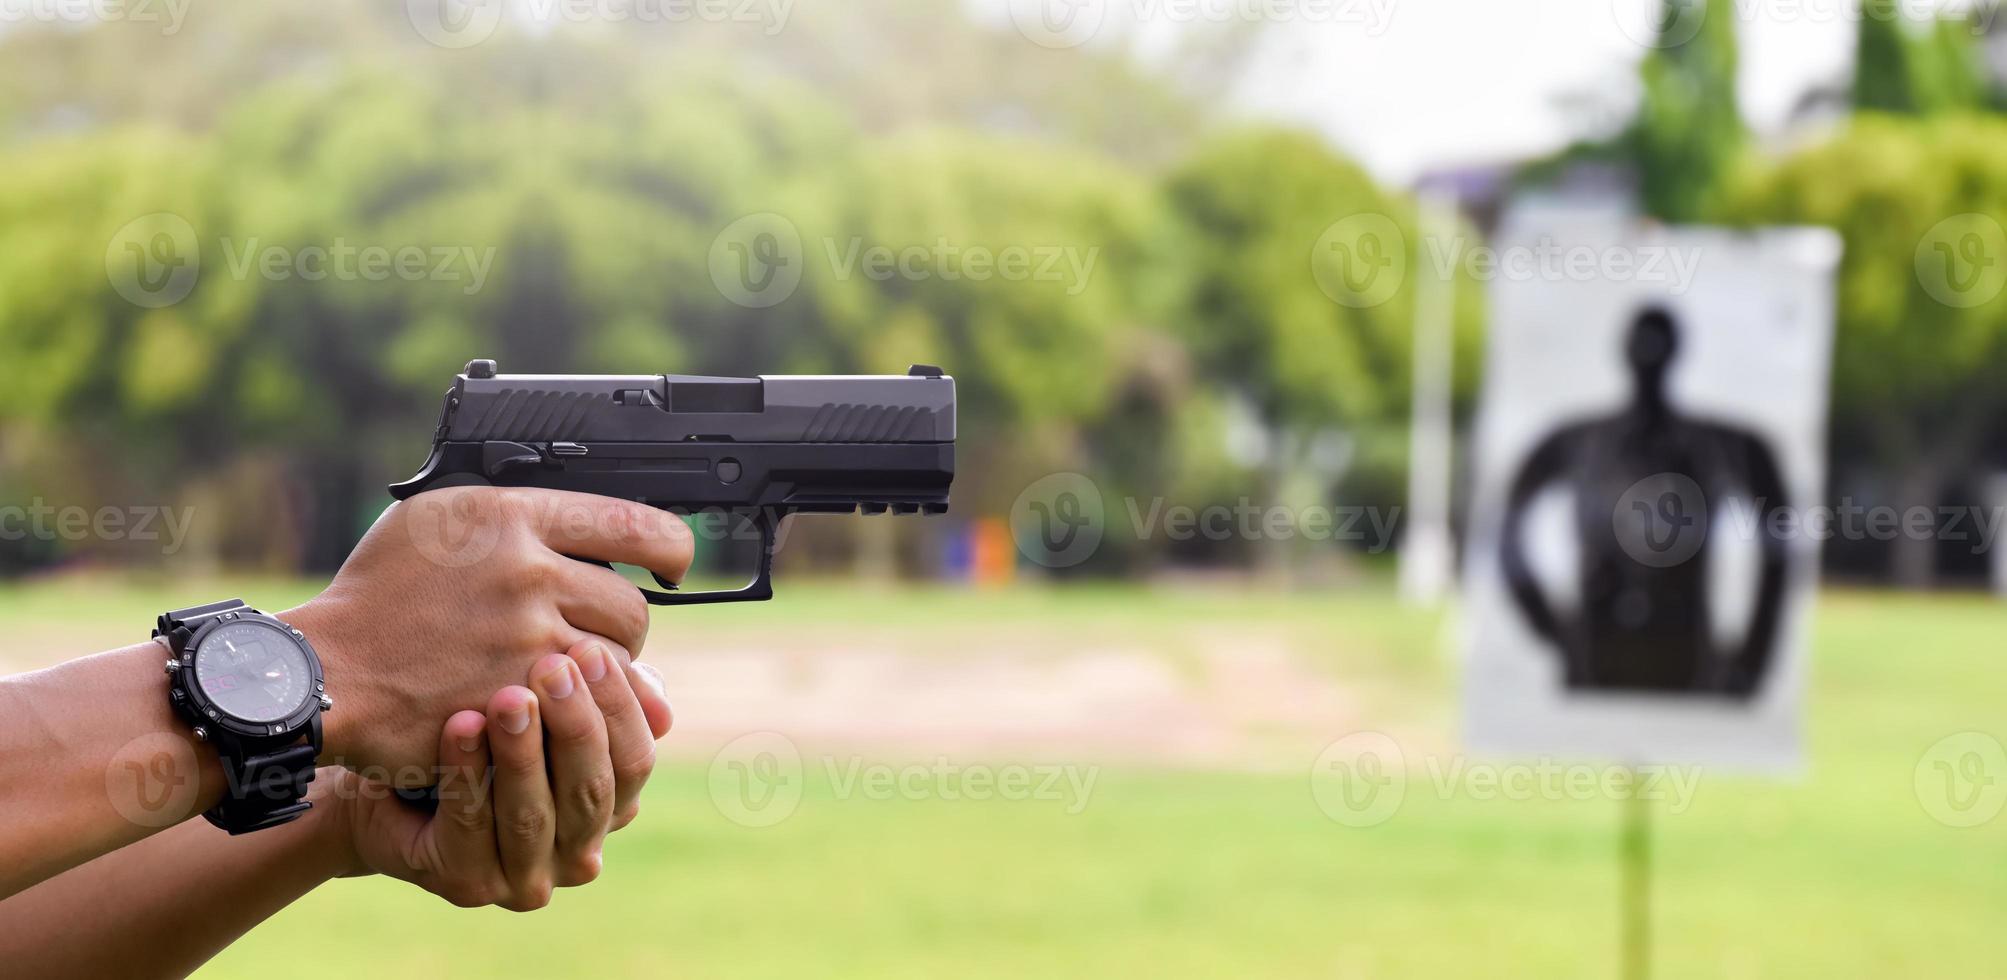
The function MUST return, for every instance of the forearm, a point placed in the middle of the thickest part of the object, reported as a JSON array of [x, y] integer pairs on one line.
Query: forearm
[[92, 759], [163, 906]]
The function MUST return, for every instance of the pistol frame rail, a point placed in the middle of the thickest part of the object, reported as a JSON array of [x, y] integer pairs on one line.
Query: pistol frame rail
[[762, 448]]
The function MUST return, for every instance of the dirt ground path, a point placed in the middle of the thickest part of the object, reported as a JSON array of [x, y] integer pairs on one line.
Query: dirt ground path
[[1224, 698]]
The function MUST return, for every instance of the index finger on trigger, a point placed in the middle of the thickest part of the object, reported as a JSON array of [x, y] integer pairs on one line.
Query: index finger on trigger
[[585, 525]]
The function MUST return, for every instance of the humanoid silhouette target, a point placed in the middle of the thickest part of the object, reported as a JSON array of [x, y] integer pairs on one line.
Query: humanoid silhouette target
[[1639, 572]]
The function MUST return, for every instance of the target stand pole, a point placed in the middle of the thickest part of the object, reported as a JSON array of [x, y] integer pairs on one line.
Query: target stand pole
[[1635, 859]]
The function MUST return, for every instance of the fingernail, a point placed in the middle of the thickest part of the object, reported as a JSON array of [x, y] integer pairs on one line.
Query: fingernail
[[516, 719], [592, 663], [472, 743], [557, 683]]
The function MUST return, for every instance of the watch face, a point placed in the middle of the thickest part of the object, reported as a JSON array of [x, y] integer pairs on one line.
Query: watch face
[[254, 672]]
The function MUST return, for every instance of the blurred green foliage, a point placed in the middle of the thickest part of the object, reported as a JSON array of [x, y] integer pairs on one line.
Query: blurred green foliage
[[1922, 330], [1688, 129], [589, 174], [1916, 67]]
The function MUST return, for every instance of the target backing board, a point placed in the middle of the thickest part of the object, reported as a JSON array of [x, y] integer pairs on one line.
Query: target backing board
[[1648, 467]]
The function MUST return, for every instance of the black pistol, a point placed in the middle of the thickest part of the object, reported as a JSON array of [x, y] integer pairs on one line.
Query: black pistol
[[755, 448]]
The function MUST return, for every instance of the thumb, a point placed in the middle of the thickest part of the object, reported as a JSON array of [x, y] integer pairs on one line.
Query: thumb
[[649, 689]]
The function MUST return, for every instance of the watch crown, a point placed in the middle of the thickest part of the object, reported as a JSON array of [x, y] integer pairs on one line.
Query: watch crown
[[201, 734], [327, 703], [173, 665]]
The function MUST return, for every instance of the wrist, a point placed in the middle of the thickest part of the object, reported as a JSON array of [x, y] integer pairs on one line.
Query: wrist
[[329, 828], [344, 740]]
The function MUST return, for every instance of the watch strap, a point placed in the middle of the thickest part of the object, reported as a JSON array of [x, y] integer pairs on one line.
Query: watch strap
[[179, 625], [264, 789]]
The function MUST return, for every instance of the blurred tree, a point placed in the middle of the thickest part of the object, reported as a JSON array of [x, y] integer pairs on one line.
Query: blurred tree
[[1922, 333], [1688, 129], [1295, 288], [1684, 137], [1916, 67]]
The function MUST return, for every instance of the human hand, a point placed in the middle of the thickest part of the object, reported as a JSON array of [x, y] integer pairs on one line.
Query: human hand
[[564, 774], [455, 593]]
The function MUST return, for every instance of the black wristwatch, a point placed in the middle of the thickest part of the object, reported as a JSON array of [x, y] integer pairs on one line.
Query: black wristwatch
[[252, 687]]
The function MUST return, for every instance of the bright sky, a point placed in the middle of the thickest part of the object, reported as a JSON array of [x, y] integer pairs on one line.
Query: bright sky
[[1409, 85], [1449, 82]]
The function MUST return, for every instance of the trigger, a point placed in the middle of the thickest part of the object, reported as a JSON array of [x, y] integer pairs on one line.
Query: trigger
[[666, 598]]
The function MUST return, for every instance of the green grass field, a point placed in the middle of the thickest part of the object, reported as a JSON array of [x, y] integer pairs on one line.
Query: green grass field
[[1173, 871]]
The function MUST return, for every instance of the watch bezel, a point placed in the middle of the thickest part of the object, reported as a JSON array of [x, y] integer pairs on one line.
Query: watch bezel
[[203, 710]]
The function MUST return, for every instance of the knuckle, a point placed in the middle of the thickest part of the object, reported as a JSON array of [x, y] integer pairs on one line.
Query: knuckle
[[574, 726], [528, 825], [583, 870], [472, 818], [626, 814], [634, 610], [532, 897], [635, 769], [472, 895], [520, 766], [534, 576], [592, 797]]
